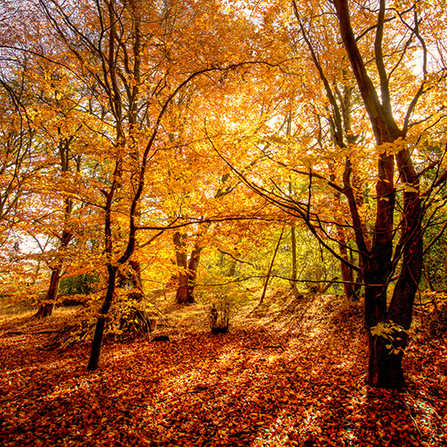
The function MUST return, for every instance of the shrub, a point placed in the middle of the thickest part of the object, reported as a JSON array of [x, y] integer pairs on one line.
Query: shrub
[[74, 289], [436, 303], [437, 323], [220, 317]]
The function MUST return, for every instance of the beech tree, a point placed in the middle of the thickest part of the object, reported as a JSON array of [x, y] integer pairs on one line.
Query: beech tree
[[358, 43], [342, 51], [127, 57], [316, 108]]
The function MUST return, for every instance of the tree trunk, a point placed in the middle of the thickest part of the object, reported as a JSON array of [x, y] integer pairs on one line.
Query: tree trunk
[[293, 283], [380, 263], [46, 309], [384, 368], [428, 278], [100, 325], [181, 257], [346, 272], [264, 291], [232, 268], [193, 266], [183, 296], [188, 274]]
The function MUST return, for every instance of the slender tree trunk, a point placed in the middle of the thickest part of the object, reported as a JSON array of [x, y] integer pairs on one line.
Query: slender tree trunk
[[428, 278], [100, 325], [264, 291], [346, 272], [293, 283], [46, 309]]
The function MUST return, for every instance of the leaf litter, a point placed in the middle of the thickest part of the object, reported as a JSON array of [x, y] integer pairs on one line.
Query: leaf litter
[[278, 378]]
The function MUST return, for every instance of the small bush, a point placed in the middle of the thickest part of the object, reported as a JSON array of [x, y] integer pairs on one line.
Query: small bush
[[220, 317], [74, 289], [434, 307], [126, 319], [437, 323], [130, 315]]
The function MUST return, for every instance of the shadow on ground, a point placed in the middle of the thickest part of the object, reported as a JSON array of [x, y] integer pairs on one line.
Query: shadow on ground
[[298, 380]]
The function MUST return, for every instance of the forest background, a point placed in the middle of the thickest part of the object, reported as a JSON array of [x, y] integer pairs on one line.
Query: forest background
[[199, 152]]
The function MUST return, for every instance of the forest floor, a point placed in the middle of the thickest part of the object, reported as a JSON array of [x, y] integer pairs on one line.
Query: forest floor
[[288, 373]]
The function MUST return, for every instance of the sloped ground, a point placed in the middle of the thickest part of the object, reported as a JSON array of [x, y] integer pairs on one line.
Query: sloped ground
[[288, 373]]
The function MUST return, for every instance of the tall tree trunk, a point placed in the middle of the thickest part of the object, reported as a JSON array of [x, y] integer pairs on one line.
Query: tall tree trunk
[[385, 368], [293, 283], [346, 271], [193, 266], [181, 257], [46, 309]]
